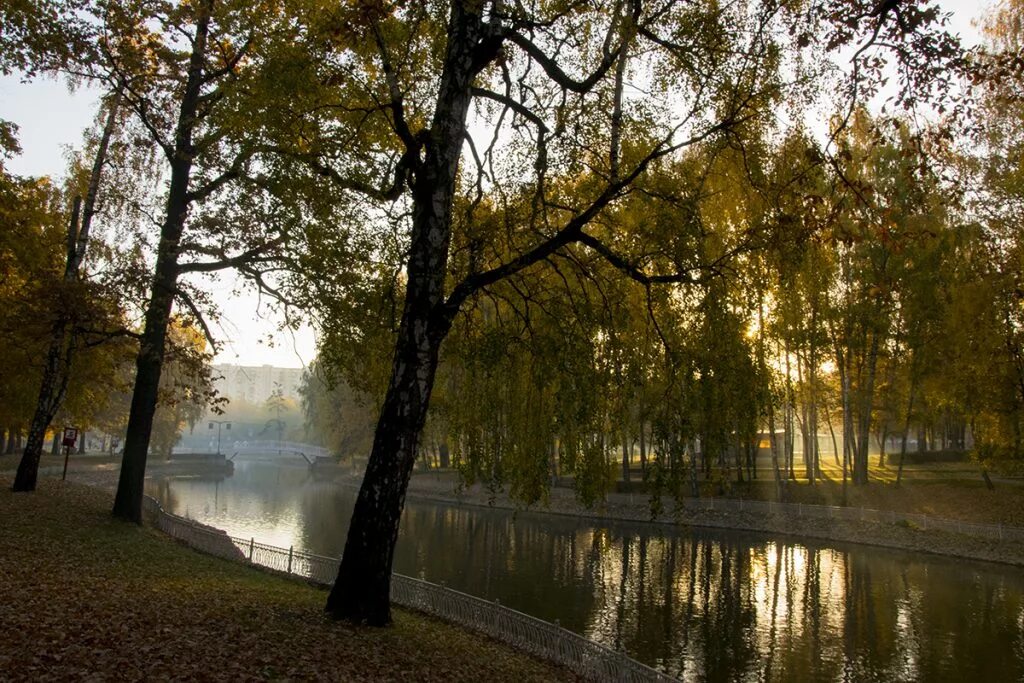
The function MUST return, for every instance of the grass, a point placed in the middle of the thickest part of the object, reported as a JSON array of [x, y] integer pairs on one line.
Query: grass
[[9, 462], [939, 490], [83, 595]]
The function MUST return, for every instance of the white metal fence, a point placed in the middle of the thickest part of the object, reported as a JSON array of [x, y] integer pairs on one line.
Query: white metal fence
[[996, 532], [535, 636]]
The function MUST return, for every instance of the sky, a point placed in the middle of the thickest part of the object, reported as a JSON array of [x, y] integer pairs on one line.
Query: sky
[[51, 120]]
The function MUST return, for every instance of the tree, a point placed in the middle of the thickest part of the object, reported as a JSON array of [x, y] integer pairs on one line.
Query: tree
[[64, 337], [35, 297], [41, 36], [553, 80], [192, 107], [991, 257]]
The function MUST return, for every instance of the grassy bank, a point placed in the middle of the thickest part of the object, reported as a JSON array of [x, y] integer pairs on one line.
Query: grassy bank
[[82, 595], [950, 490], [965, 500]]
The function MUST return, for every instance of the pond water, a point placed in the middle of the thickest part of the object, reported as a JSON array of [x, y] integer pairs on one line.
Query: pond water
[[715, 606]]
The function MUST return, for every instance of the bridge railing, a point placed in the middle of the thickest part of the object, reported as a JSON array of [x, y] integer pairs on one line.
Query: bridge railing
[[245, 446], [535, 636], [271, 446]]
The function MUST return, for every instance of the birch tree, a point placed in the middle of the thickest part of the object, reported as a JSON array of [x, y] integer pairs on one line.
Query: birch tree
[[548, 82]]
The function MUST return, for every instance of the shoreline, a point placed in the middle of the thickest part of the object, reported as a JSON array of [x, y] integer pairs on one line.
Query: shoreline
[[891, 536], [562, 502]]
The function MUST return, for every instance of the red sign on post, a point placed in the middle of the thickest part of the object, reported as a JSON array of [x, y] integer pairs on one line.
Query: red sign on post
[[70, 436]]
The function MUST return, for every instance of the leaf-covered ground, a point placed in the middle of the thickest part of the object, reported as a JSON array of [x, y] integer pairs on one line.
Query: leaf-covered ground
[[85, 596]]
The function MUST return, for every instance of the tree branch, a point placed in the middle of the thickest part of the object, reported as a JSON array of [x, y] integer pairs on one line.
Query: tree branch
[[254, 255], [555, 72], [191, 305]]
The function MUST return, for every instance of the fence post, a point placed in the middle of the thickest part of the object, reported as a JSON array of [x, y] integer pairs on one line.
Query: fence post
[[252, 543], [290, 558]]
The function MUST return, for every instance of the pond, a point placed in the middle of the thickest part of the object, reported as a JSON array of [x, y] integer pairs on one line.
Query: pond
[[715, 606]]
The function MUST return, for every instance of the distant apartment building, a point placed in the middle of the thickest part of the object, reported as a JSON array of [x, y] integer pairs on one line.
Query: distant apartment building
[[255, 384]]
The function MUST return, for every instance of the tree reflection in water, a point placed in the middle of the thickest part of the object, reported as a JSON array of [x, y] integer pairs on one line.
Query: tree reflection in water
[[699, 605]]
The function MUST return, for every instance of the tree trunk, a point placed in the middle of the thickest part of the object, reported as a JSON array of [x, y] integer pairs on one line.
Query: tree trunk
[[881, 445], [625, 458], [788, 436], [770, 402], [361, 591], [740, 453], [812, 378], [643, 448], [906, 422], [57, 369], [149, 362], [860, 475], [694, 483], [844, 379]]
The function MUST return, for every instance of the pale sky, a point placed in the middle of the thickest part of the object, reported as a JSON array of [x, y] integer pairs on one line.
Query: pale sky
[[51, 120]]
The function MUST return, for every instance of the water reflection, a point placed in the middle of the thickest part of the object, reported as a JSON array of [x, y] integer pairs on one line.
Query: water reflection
[[702, 606]]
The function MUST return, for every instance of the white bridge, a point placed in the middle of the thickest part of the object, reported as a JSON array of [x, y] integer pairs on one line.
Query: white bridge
[[307, 451]]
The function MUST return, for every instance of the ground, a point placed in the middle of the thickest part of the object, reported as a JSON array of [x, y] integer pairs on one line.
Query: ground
[[85, 596]]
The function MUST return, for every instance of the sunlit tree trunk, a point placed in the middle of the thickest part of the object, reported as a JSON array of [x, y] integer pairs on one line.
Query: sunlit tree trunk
[[769, 402], [911, 395], [864, 418], [788, 436]]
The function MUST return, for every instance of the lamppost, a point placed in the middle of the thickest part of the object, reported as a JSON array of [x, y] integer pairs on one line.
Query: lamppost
[[219, 423], [279, 425]]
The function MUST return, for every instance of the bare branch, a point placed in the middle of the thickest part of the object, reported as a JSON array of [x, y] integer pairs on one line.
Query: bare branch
[[555, 72], [198, 315]]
